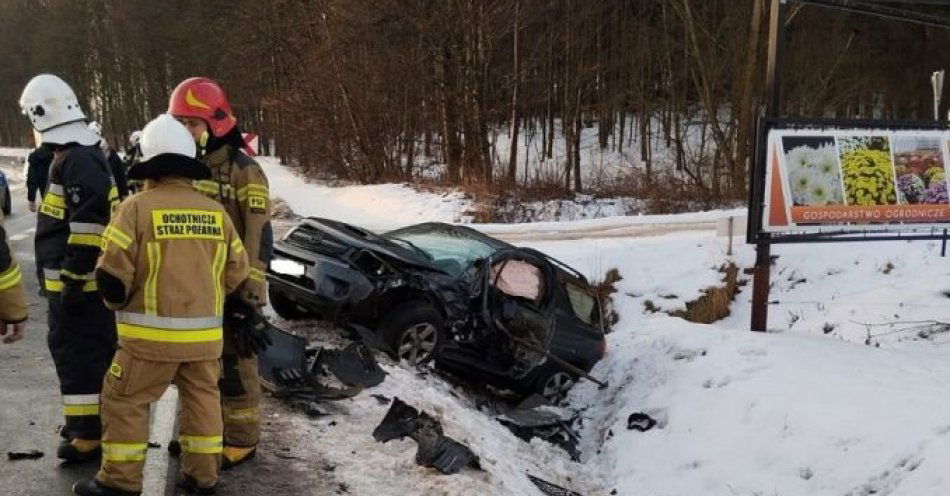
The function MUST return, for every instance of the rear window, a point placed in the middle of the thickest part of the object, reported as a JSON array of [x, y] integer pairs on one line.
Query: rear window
[[582, 302]]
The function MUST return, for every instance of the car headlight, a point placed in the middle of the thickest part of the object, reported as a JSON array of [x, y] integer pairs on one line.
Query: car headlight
[[288, 267]]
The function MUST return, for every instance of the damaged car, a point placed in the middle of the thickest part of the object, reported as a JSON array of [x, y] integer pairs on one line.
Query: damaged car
[[479, 307]]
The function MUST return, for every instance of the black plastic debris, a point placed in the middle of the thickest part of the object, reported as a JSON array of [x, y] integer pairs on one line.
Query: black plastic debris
[[289, 371], [536, 417], [552, 489], [24, 455], [436, 450], [311, 408], [382, 399], [354, 365], [640, 422]]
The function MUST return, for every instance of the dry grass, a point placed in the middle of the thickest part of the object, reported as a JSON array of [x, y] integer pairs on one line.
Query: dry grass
[[604, 291], [714, 304]]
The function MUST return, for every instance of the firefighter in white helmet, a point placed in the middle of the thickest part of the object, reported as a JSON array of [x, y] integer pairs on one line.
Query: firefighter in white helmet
[[171, 258], [72, 217]]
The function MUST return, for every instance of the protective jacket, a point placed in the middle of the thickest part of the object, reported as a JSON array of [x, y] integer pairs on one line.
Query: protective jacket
[[176, 255], [73, 215], [13, 305], [239, 184], [37, 172], [118, 172]]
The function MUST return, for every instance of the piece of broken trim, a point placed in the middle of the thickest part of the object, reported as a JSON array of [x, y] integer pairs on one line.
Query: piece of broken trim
[[24, 455], [552, 489], [640, 422], [354, 365], [435, 448]]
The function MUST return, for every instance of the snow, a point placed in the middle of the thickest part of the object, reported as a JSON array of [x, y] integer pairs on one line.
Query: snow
[[383, 207], [14, 152], [378, 206]]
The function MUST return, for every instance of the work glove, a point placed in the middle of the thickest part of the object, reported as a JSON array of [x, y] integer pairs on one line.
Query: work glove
[[72, 297], [248, 328]]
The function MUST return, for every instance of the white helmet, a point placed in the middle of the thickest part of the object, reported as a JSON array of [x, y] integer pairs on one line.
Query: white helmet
[[166, 135], [95, 127], [54, 111], [135, 137], [168, 149]]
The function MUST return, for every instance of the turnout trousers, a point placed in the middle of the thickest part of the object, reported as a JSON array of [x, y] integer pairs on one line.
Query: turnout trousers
[[81, 345], [129, 387], [240, 398]]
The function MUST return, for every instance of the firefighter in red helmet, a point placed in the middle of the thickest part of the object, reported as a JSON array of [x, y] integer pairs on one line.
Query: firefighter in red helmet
[[239, 183]]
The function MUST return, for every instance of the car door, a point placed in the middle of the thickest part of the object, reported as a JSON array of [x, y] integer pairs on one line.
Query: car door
[[578, 337], [519, 327]]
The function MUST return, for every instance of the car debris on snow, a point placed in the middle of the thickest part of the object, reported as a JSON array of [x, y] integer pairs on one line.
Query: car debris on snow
[[552, 489], [640, 422], [289, 370], [436, 450], [535, 417], [24, 455]]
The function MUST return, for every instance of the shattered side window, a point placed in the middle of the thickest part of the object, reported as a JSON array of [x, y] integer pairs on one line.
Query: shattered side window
[[582, 302]]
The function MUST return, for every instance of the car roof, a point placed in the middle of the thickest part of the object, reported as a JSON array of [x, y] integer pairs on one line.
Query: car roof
[[425, 227]]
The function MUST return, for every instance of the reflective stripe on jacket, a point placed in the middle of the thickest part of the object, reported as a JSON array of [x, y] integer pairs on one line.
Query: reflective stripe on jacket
[[13, 305], [74, 212], [240, 185], [178, 256]]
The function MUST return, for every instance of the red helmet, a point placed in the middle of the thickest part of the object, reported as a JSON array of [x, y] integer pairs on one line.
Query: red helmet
[[202, 98]]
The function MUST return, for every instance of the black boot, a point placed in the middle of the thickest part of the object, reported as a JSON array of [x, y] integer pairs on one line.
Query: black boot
[[188, 484], [93, 488], [74, 451]]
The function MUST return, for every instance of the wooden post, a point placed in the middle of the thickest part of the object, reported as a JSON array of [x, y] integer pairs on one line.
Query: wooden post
[[731, 222], [763, 249]]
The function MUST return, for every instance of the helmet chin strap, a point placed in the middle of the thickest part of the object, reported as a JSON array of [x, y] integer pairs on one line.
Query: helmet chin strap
[[203, 143]]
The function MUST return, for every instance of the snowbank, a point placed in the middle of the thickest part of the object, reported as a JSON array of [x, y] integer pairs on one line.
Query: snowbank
[[380, 206], [388, 206], [14, 152], [751, 414]]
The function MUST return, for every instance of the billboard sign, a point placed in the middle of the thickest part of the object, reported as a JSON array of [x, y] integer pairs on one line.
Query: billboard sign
[[856, 180]]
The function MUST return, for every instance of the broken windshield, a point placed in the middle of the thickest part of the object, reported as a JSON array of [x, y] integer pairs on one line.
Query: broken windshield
[[450, 250]]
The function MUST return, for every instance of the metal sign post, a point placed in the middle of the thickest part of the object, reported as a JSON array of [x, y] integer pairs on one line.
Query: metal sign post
[[763, 249]]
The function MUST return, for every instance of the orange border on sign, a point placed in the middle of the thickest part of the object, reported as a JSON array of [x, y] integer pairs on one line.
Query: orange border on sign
[[777, 213]]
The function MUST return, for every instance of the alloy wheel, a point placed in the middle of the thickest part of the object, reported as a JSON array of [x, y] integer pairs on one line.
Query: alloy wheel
[[417, 343]]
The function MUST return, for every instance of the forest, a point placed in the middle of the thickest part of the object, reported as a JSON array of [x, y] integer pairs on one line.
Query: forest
[[382, 90]]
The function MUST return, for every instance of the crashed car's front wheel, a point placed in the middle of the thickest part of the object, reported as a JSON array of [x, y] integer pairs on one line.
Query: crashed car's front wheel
[[414, 331]]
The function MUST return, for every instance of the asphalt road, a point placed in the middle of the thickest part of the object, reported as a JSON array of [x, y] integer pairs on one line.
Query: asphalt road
[[30, 405]]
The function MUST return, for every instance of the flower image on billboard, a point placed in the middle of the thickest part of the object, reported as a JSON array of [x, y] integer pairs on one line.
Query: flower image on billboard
[[921, 175], [811, 166], [868, 170]]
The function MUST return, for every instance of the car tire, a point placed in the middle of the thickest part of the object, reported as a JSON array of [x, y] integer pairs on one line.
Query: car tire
[[414, 331], [552, 382], [7, 202], [285, 307]]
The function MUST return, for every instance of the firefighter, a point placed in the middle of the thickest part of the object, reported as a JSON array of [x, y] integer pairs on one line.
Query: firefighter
[[239, 183], [132, 155], [171, 257], [112, 158], [13, 305], [70, 223], [37, 173]]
